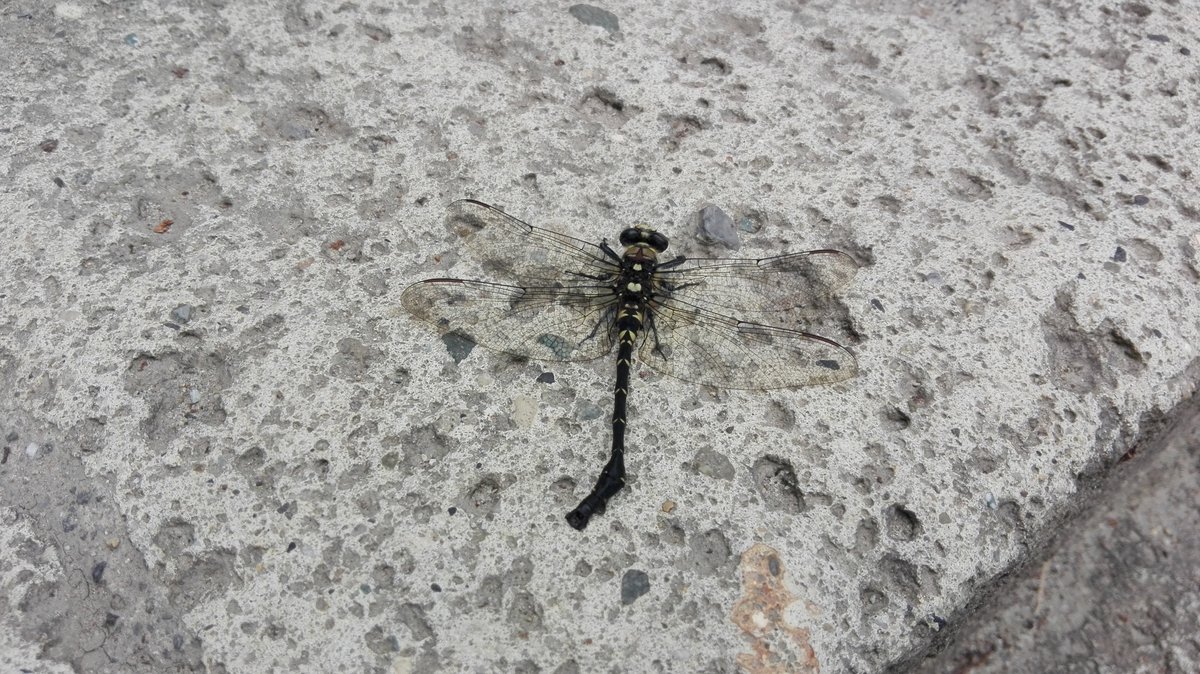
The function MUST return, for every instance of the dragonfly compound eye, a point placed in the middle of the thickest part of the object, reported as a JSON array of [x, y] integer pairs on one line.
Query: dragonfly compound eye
[[631, 236], [657, 241]]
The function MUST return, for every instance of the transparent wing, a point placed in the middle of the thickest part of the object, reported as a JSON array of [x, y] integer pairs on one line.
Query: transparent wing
[[520, 252], [747, 287], [693, 344], [570, 323]]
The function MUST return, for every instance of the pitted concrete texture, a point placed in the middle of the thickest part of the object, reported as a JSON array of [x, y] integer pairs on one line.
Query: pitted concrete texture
[[1121, 593], [225, 448]]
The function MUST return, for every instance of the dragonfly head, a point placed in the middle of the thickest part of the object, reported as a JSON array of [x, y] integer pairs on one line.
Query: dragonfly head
[[643, 242]]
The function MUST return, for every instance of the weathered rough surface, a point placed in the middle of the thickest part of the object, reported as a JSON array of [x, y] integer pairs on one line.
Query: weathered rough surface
[[225, 448], [1121, 593], [775, 645]]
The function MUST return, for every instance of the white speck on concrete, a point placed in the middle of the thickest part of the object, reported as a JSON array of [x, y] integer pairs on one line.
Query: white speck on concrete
[[524, 411], [69, 10]]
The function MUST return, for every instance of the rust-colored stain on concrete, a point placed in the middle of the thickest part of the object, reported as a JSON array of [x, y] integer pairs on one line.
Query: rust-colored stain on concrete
[[776, 647]]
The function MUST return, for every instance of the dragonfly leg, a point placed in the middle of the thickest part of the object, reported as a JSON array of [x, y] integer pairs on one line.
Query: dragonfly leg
[[591, 277], [673, 262], [606, 321], [609, 251], [653, 334]]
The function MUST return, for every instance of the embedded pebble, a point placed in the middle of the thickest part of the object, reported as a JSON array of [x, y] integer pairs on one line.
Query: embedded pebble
[[595, 16], [524, 411], [715, 226], [182, 313], [634, 584]]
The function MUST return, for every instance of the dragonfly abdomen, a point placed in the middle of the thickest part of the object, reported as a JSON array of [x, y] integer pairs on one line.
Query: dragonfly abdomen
[[634, 298]]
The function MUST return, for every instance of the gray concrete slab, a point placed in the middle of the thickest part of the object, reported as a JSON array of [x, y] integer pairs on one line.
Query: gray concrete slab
[[1121, 591], [225, 448]]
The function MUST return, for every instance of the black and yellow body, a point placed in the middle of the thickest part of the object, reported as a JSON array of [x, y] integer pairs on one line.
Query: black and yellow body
[[635, 286], [563, 299]]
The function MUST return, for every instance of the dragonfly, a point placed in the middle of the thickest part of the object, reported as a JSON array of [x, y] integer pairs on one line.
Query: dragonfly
[[562, 299]]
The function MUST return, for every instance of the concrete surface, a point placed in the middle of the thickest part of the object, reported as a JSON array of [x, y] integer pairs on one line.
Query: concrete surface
[[1120, 595], [224, 448]]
